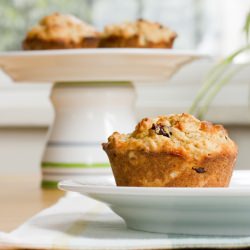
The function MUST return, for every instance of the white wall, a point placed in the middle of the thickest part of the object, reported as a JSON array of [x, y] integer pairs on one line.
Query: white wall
[[21, 149], [25, 115]]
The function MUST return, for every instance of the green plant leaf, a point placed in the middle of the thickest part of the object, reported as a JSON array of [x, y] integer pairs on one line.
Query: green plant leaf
[[214, 76], [225, 80], [247, 27]]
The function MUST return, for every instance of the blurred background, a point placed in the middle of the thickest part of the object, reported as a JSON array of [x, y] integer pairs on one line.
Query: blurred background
[[213, 27]]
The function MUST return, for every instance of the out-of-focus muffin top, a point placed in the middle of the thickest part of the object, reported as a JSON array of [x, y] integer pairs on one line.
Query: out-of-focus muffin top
[[61, 27], [145, 30], [180, 134]]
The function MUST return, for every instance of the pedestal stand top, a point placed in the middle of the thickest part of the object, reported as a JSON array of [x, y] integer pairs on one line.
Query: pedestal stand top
[[135, 65]]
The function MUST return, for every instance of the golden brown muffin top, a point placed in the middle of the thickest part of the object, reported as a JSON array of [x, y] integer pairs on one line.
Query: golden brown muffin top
[[146, 31], [61, 27], [179, 134]]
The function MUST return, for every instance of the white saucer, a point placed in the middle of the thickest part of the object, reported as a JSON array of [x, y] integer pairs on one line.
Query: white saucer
[[200, 211]]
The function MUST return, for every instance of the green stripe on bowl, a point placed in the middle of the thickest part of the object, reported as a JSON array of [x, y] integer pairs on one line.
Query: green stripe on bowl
[[49, 184], [74, 165], [92, 84]]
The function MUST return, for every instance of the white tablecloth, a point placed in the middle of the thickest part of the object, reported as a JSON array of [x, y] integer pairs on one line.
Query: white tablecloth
[[78, 222]]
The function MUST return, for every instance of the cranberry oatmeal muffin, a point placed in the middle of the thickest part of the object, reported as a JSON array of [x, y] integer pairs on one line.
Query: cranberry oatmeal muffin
[[172, 151], [58, 31], [138, 34]]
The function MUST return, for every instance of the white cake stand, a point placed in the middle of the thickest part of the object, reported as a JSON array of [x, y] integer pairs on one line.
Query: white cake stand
[[93, 96]]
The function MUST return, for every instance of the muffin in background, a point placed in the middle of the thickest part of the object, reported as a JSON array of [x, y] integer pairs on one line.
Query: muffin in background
[[59, 31], [138, 34], [172, 151]]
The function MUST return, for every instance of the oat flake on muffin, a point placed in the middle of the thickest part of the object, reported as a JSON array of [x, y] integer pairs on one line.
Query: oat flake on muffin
[[172, 151]]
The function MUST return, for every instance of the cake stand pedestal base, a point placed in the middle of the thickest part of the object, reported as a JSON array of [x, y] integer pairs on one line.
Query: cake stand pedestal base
[[85, 115]]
